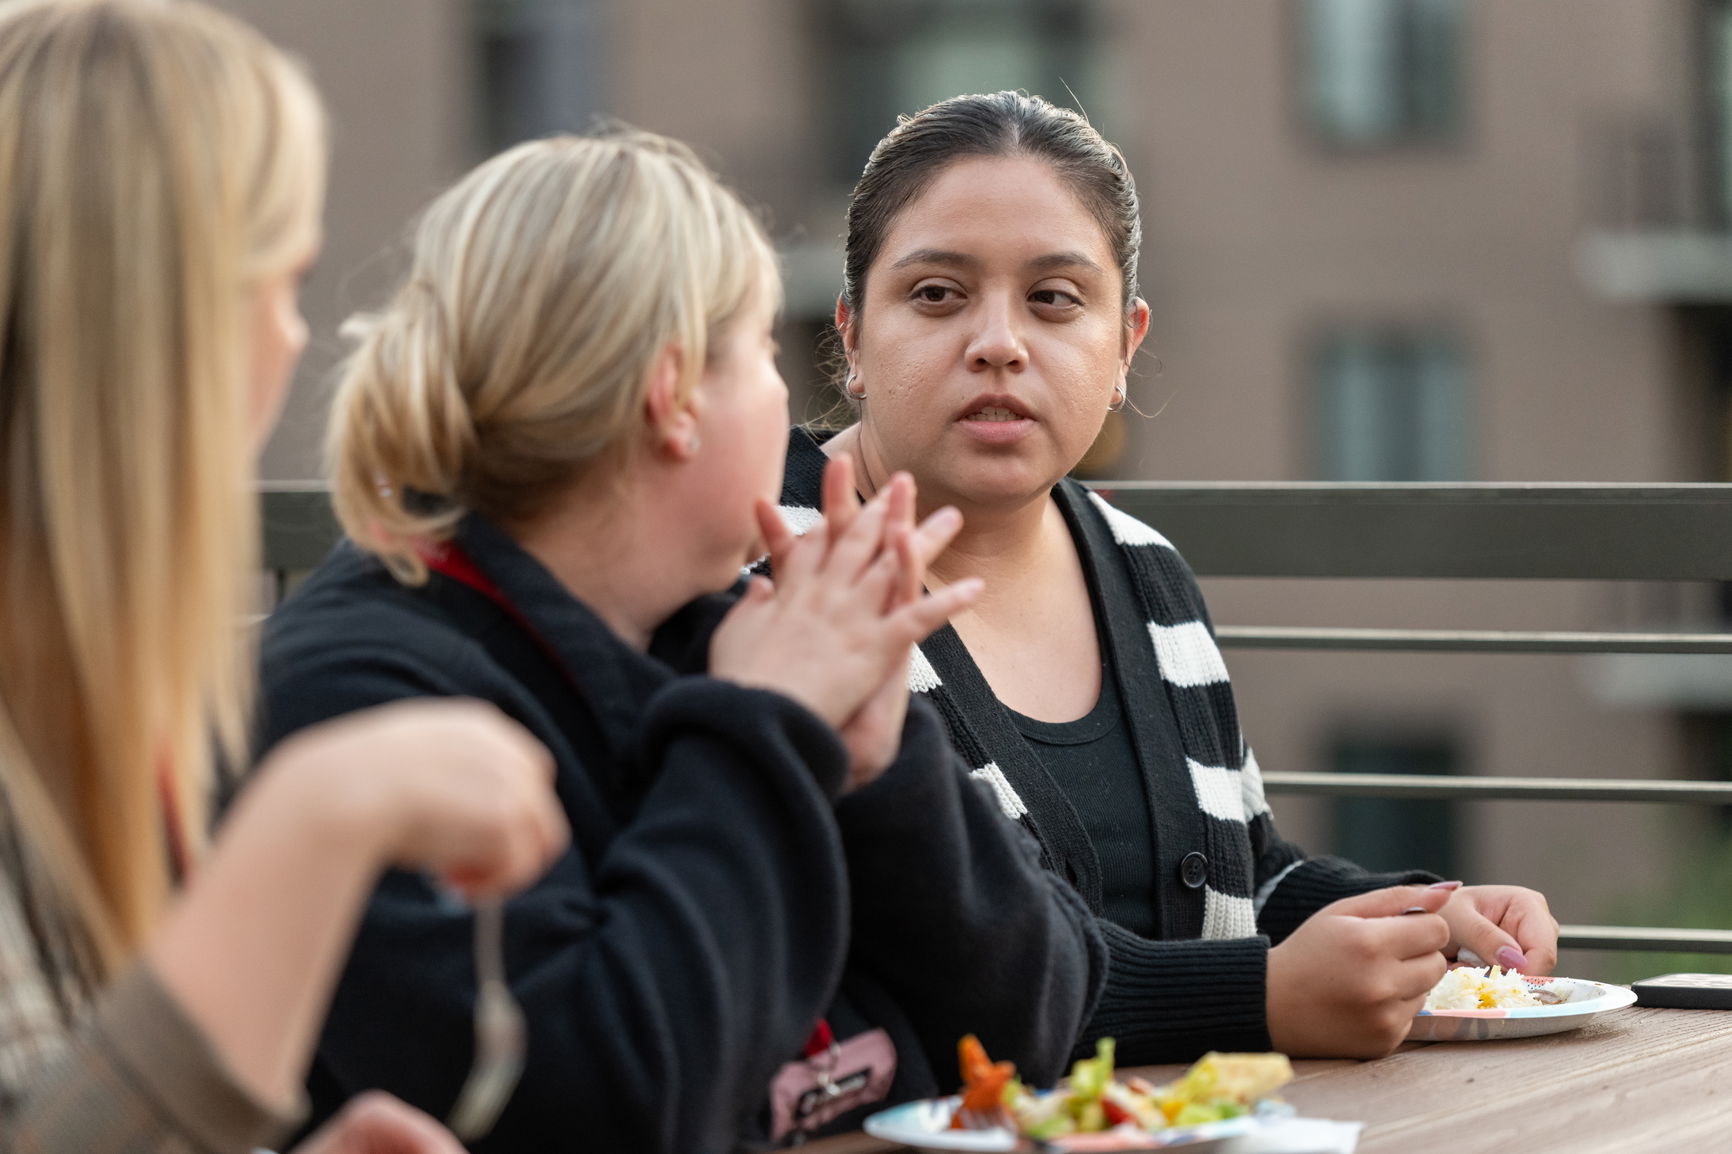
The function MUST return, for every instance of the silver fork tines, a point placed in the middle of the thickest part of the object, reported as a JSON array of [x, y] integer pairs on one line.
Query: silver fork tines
[[501, 1037]]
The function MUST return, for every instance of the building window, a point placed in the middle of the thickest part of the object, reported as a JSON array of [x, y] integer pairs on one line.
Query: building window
[[1390, 405], [1385, 834], [1717, 107], [895, 57], [540, 68], [1378, 73]]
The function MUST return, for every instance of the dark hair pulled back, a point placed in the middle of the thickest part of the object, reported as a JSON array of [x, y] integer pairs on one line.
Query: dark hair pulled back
[[998, 124]]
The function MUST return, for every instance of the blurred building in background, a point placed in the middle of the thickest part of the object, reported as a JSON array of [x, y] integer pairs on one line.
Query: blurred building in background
[[1387, 240]]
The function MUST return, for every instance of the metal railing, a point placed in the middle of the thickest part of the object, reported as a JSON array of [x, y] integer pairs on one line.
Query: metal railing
[[1541, 531], [1550, 531]]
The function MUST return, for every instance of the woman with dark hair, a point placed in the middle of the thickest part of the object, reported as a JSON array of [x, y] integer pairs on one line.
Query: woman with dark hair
[[988, 321]]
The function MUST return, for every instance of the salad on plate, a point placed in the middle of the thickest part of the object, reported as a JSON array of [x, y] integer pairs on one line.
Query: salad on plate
[[1220, 1095]]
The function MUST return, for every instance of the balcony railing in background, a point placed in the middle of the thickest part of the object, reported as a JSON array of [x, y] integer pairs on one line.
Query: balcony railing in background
[[1662, 533], [1525, 532]]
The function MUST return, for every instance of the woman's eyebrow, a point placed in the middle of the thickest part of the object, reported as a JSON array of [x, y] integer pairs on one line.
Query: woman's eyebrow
[[1047, 263], [936, 256], [1059, 260]]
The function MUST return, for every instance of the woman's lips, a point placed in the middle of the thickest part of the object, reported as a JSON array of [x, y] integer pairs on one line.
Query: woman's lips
[[996, 425]]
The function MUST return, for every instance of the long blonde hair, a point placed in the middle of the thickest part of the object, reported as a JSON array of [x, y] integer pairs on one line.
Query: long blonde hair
[[515, 357], [158, 158]]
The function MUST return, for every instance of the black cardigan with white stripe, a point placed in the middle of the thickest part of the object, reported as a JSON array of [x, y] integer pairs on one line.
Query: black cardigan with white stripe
[[1201, 985]]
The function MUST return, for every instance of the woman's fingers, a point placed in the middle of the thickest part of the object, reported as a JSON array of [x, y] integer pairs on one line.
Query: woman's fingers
[[1507, 925], [914, 623], [911, 573], [1416, 975], [856, 549], [849, 594], [802, 556], [901, 507], [934, 535], [778, 538], [838, 501]]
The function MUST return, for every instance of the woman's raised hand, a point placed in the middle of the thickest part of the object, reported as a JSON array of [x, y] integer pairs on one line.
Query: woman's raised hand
[[874, 734], [452, 787], [835, 629]]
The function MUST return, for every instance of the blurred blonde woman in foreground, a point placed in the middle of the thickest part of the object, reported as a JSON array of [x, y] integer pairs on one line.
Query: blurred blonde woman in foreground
[[553, 449], [163, 177]]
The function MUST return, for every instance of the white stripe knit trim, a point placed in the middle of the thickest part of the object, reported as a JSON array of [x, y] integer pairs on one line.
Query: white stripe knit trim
[[1219, 793], [1226, 916], [1008, 800], [1251, 786], [1127, 530], [1267, 889], [922, 678], [799, 518], [1187, 654]]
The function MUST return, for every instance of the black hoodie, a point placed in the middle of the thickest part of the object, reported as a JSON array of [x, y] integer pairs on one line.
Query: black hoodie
[[719, 895]]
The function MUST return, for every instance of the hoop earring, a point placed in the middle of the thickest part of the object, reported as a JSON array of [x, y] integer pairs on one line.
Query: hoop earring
[[1120, 396], [859, 394]]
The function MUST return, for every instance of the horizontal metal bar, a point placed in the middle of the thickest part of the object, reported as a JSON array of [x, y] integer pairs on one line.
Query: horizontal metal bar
[[1650, 532], [1466, 640], [1645, 938], [1554, 531], [1440, 786]]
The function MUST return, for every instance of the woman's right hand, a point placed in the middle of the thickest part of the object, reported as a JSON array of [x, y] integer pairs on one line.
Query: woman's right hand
[[873, 736], [1348, 981], [449, 786], [837, 623]]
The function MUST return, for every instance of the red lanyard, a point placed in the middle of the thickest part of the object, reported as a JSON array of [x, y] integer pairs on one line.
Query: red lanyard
[[449, 560]]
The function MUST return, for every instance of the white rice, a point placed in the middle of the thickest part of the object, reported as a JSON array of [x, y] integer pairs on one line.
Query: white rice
[[1491, 988]]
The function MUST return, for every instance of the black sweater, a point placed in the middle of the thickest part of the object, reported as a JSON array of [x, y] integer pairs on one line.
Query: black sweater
[[717, 898], [1226, 884]]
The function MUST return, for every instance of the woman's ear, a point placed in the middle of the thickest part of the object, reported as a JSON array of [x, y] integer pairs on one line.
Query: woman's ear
[[845, 327], [670, 420], [1136, 329]]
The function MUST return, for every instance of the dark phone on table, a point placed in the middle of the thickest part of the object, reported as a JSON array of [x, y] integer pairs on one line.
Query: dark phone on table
[[1686, 991]]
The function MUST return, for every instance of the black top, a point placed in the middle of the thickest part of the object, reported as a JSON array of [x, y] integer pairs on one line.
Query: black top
[[717, 897], [1094, 763]]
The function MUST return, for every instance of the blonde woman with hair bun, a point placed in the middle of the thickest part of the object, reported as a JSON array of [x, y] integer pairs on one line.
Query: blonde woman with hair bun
[[552, 450], [164, 173]]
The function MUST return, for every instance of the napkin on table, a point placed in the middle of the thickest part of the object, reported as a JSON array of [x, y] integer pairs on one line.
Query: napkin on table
[[1297, 1136]]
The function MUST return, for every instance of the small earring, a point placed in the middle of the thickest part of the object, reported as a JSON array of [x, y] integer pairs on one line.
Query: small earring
[[692, 444], [853, 387], [1120, 396]]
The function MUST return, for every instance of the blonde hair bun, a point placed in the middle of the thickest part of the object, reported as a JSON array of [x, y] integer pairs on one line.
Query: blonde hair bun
[[515, 354]]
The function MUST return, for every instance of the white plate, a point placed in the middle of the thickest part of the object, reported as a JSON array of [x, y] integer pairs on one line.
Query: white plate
[[1582, 1000], [925, 1125]]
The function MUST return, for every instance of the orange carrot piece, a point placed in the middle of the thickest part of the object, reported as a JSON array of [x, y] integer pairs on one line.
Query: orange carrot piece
[[983, 1080]]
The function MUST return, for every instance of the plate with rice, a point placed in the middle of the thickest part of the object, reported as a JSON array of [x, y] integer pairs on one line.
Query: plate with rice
[[1479, 1004]]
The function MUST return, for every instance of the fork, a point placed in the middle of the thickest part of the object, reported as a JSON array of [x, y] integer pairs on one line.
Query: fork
[[501, 1036]]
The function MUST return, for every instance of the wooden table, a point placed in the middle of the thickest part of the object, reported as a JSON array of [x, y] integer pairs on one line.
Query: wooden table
[[1631, 1080]]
